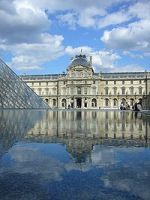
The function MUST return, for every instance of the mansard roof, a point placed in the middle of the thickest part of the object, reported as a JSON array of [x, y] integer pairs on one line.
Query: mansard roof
[[103, 75], [80, 60]]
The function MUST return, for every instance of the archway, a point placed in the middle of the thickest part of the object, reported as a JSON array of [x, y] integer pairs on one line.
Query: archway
[[106, 102], [123, 101], [79, 102], [46, 100], [115, 102], [64, 103], [94, 103]]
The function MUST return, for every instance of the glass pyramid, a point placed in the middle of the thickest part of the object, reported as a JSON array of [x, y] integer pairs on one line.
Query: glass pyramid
[[14, 93]]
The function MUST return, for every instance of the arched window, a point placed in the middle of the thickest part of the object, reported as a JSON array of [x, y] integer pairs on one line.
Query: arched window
[[123, 90], [115, 102], [64, 103], [123, 101], [106, 102], [106, 90], [78, 90], [94, 103], [46, 100], [54, 90], [140, 90], [72, 90], [131, 90]]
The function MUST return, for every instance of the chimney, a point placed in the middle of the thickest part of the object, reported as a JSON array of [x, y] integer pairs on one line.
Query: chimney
[[91, 60]]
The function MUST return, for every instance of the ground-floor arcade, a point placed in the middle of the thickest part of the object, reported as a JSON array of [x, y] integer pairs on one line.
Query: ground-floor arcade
[[90, 102]]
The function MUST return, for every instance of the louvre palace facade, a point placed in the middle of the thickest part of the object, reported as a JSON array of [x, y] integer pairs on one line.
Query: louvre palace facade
[[81, 87]]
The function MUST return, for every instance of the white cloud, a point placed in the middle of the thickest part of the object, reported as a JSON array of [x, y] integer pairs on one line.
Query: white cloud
[[114, 19], [83, 13], [136, 36], [78, 5], [24, 23], [133, 55], [105, 60], [33, 55], [69, 19], [87, 17], [128, 68], [28, 159], [102, 60], [140, 10], [73, 51]]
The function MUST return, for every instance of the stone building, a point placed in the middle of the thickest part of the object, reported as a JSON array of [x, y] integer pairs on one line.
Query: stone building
[[146, 97], [81, 87]]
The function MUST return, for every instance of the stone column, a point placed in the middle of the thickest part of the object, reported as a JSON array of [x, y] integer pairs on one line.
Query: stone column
[[88, 103], [68, 102], [82, 102], [75, 102], [111, 102]]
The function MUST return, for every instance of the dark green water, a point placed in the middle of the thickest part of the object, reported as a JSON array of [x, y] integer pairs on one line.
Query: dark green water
[[74, 155]]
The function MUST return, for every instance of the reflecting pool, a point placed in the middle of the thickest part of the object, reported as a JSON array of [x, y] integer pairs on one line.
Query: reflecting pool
[[74, 155]]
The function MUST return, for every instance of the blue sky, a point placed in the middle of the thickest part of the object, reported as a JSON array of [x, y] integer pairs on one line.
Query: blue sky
[[40, 37]]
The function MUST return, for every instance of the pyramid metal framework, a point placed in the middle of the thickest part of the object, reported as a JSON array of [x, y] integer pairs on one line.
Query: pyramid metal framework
[[14, 93]]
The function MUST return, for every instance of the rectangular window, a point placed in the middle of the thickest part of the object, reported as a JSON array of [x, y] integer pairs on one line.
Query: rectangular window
[[78, 90], [140, 90], [123, 90], [72, 90], [85, 90], [106, 91]]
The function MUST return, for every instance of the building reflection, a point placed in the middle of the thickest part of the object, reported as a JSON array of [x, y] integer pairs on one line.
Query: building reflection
[[81, 130]]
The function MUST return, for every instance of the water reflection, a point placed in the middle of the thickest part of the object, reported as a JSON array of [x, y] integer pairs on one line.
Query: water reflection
[[74, 155], [14, 124], [81, 128]]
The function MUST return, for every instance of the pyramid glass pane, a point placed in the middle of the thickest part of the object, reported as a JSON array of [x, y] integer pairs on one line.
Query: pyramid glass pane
[[14, 93]]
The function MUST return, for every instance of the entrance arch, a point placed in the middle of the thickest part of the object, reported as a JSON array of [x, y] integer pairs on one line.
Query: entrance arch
[[79, 102]]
